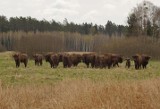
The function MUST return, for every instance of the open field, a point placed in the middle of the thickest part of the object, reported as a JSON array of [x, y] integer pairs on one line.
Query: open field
[[37, 87], [10, 75]]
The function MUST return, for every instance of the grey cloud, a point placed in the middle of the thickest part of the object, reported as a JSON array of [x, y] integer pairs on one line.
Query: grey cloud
[[74, 10]]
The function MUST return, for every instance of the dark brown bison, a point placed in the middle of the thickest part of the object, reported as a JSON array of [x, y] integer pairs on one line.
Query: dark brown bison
[[98, 61], [61, 56], [53, 59], [109, 60], [89, 59], [67, 63], [38, 58], [48, 57], [20, 58], [145, 60], [101, 61], [75, 59], [116, 58], [128, 62], [112, 60], [137, 61], [141, 60]]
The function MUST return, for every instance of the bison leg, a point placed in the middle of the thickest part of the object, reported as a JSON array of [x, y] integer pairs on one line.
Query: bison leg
[[17, 64], [92, 65], [87, 65], [109, 66], [25, 64], [117, 65], [35, 63], [41, 63]]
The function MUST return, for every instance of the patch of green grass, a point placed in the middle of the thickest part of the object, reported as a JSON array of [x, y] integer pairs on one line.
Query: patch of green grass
[[10, 75]]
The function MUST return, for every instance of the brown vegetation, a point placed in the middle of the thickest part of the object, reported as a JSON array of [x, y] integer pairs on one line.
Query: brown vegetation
[[84, 94]]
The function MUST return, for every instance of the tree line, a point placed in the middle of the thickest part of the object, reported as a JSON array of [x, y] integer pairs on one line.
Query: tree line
[[144, 19], [27, 24]]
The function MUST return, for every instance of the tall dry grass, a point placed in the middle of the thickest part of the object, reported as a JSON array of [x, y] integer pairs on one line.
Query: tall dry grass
[[84, 94]]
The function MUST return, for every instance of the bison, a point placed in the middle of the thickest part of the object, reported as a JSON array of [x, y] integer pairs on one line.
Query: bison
[[145, 60], [116, 58], [128, 62], [53, 59], [101, 61], [89, 59], [20, 58], [141, 60], [38, 58], [75, 59], [112, 60], [66, 60]]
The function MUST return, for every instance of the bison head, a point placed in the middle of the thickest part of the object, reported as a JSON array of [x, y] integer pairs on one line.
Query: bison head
[[47, 57], [16, 56], [135, 57]]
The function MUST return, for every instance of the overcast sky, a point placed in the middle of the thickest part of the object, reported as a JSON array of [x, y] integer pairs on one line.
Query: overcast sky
[[78, 11]]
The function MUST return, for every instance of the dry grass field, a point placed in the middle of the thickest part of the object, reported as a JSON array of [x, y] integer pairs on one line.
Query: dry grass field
[[38, 87]]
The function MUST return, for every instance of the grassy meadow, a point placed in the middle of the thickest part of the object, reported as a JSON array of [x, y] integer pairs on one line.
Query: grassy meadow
[[40, 87]]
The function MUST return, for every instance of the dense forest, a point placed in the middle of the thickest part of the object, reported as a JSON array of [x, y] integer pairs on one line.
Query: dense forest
[[140, 34], [28, 24]]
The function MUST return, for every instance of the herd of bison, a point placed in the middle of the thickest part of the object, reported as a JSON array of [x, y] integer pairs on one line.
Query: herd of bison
[[92, 59]]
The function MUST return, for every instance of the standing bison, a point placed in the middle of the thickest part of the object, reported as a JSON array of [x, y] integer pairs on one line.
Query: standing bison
[[89, 59], [20, 58], [75, 59], [128, 62], [116, 58], [38, 58], [108, 60], [101, 61], [141, 60], [67, 62], [145, 60], [53, 59]]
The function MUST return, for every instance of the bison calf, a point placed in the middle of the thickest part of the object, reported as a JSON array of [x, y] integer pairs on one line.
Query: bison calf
[[128, 62]]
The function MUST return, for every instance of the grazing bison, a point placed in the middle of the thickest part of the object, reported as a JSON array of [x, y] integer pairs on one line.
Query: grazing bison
[[20, 58], [141, 60], [38, 58], [89, 59], [128, 62]]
